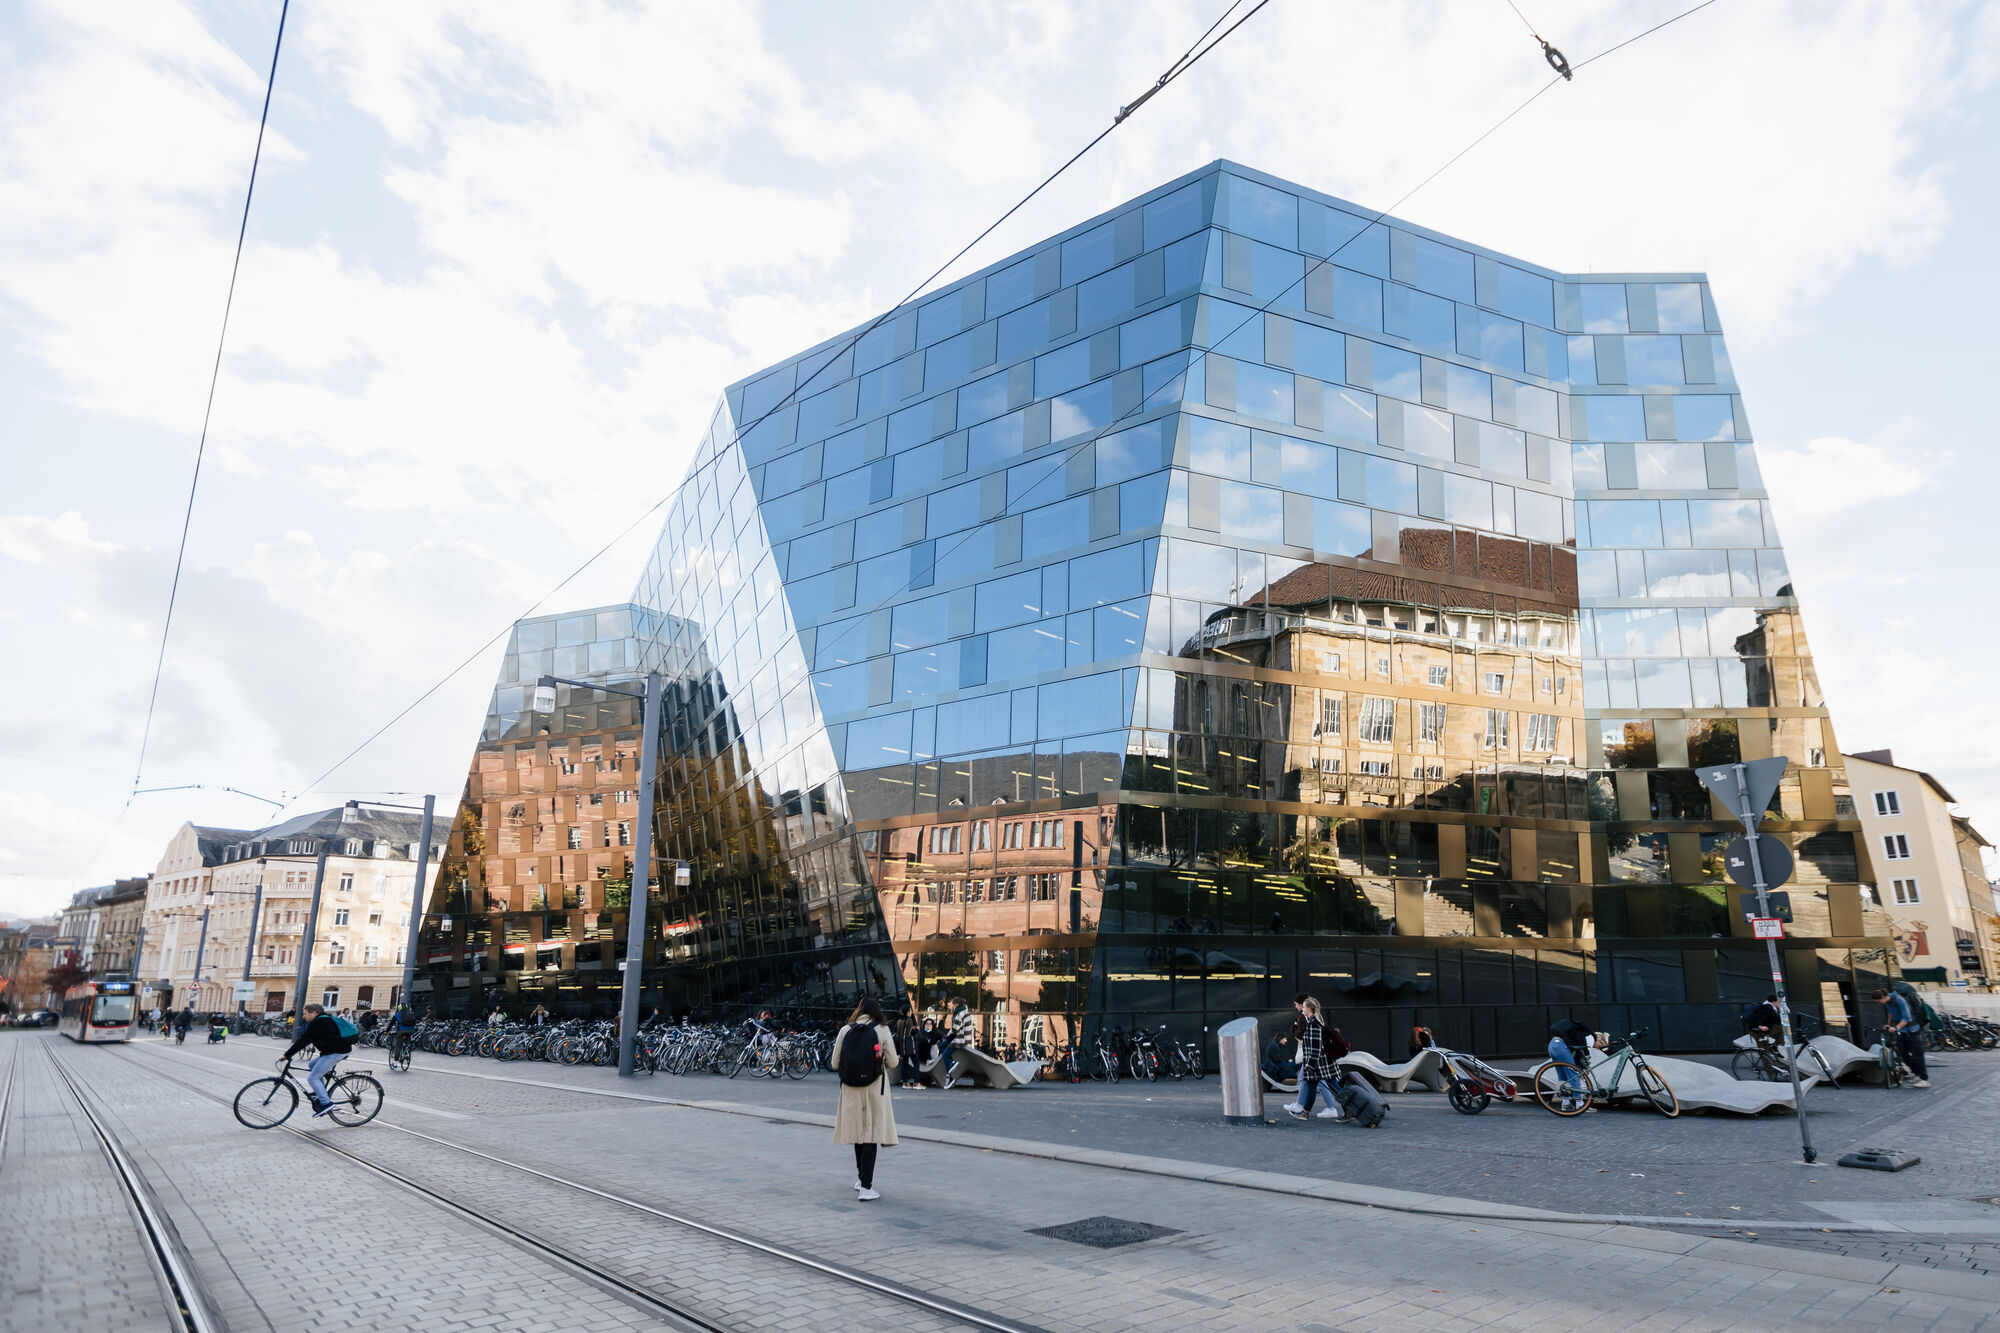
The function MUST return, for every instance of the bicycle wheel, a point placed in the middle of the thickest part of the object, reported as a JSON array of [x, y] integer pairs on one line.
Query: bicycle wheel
[[1560, 1088], [798, 1063], [356, 1100], [1467, 1097], [735, 1065], [265, 1103], [1657, 1092], [1746, 1066]]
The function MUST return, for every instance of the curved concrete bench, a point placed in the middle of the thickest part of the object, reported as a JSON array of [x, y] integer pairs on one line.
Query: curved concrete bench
[[983, 1070], [1698, 1087], [1848, 1062], [1425, 1070], [1278, 1084]]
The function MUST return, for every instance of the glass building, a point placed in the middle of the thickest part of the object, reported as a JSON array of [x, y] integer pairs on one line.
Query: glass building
[[1221, 599]]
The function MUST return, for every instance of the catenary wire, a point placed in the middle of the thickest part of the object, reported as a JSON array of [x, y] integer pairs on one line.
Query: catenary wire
[[1187, 60], [201, 446]]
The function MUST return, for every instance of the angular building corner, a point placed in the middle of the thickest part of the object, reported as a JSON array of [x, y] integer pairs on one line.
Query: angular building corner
[[1221, 599]]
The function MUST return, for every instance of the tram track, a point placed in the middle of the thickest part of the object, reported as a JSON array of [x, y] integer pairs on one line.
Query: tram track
[[186, 1307], [673, 1313]]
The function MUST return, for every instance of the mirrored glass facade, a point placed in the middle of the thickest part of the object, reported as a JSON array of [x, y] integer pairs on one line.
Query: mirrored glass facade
[[1220, 599]]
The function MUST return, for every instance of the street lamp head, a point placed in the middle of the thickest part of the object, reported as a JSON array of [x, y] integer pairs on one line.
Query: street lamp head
[[545, 695], [208, 900]]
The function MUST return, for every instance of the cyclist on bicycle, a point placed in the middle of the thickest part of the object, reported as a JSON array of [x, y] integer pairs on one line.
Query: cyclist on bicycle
[[402, 1028], [324, 1035], [1570, 1043], [1762, 1020]]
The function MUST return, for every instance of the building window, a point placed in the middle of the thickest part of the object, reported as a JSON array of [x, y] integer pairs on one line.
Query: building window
[[1375, 768], [597, 798], [1326, 763], [1382, 667], [1440, 676], [1329, 663], [1045, 833], [1904, 891], [375, 918], [1896, 846], [1329, 716], [1539, 732], [1887, 803], [946, 839], [624, 833], [402, 953], [1496, 728], [340, 916], [1430, 722], [336, 952], [346, 884], [982, 836], [1378, 720], [330, 998], [1496, 682], [575, 838], [1010, 839]]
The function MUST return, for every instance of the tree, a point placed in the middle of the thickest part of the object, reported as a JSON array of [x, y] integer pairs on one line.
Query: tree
[[64, 977]]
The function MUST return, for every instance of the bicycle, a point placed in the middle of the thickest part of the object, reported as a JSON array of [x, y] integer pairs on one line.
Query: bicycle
[[1764, 1062], [399, 1051], [1566, 1090], [266, 1103], [1894, 1072]]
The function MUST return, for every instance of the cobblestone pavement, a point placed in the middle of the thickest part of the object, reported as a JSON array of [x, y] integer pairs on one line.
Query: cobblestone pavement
[[959, 1221], [62, 1201]]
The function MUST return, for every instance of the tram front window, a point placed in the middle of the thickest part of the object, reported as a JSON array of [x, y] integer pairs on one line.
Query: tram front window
[[112, 1011]]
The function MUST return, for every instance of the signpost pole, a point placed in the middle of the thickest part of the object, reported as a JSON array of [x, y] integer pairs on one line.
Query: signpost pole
[[1749, 819]]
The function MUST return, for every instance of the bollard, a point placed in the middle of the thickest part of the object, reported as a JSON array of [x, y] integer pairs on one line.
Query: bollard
[[1242, 1089]]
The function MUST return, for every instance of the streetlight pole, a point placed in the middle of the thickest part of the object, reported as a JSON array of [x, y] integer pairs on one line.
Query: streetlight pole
[[306, 939], [417, 901], [250, 947], [642, 849], [202, 947]]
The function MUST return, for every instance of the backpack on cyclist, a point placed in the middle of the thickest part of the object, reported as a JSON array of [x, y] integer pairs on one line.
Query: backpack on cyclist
[[860, 1055], [346, 1028]]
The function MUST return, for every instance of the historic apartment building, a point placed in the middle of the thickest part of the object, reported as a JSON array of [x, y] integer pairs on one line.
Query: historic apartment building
[[1222, 598], [1931, 880], [252, 890]]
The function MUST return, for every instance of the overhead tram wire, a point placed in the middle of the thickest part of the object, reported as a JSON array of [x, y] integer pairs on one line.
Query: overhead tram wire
[[1186, 61], [1197, 354], [201, 446]]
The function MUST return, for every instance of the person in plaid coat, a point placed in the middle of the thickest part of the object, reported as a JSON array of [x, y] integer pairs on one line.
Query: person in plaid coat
[[1317, 1053]]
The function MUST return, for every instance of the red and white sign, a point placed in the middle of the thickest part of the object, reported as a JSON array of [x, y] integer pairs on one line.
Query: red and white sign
[[1767, 928]]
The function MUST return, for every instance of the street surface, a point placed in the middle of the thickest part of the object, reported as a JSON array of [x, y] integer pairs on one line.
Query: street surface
[[1270, 1225]]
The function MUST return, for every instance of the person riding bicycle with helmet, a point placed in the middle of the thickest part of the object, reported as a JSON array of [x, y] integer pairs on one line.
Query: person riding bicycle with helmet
[[402, 1030], [333, 1043]]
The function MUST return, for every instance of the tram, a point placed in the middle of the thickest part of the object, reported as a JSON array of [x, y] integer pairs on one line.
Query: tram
[[100, 1011]]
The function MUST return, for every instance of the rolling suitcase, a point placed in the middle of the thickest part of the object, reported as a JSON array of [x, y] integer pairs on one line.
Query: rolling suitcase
[[1359, 1101]]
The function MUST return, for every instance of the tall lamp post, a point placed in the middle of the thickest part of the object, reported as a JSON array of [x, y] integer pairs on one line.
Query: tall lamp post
[[250, 947], [642, 848]]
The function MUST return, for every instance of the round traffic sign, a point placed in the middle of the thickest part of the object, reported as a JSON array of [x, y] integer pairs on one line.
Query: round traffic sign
[[1776, 856]]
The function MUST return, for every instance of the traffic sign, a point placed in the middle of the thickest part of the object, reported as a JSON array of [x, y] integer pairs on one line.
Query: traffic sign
[[245, 990], [1760, 776], [1767, 928], [1776, 856], [1778, 905]]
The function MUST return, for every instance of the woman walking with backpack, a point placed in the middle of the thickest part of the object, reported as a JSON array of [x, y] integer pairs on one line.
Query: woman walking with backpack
[[864, 1054]]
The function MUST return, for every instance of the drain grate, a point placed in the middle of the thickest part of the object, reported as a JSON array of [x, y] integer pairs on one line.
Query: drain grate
[[1104, 1233]]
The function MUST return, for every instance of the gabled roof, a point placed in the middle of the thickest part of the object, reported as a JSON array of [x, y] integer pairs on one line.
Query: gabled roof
[[1881, 757]]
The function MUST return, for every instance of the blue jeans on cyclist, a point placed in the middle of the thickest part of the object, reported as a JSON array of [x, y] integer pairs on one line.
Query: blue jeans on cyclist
[[321, 1066], [1560, 1050]]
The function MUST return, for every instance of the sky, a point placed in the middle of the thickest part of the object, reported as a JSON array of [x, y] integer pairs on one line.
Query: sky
[[503, 257]]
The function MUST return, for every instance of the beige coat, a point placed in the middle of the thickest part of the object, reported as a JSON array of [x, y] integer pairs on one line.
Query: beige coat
[[865, 1115]]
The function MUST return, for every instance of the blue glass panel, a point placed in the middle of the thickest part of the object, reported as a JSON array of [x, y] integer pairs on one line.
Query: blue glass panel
[[1090, 253], [1391, 485], [1468, 392], [878, 391], [1312, 469], [1342, 529], [1130, 453], [949, 361], [1653, 359], [1616, 418], [1367, 251], [1726, 522], [940, 318], [1236, 330], [1320, 353], [1625, 523], [1679, 306], [1074, 707], [1357, 299], [842, 691], [1056, 527], [1149, 336], [1443, 269], [1703, 417], [982, 400], [1062, 370], [1106, 296], [1264, 392], [1024, 330], [1085, 409], [1254, 512], [1173, 216], [1106, 576], [1262, 212], [1499, 339], [1121, 629], [1024, 650], [1142, 503], [995, 441], [847, 493], [911, 426], [1277, 277], [926, 671], [972, 724], [875, 347], [1350, 413], [1219, 448], [875, 741], [919, 623], [1010, 288], [1007, 601], [884, 576], [1184, 261], [1468, 500], [1538, 516], [1398, 373], [819, 414], [1638, 632], [1527, 296]]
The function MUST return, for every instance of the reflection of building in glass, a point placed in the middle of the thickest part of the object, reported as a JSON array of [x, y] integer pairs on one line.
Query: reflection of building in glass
[[1164, 620]]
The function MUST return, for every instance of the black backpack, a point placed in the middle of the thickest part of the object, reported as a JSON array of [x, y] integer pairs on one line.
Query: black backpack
[[860, 1055]]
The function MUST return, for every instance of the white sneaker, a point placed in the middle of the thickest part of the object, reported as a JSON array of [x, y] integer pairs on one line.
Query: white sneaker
[[1294, 1107], [865, 1195], [1330, 1113], [1295, 1112], [1920, 1083]]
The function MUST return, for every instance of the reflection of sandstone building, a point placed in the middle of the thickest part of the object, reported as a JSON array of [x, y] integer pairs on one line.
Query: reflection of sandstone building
[[1353, 626], [1928, 872], [360, 937]]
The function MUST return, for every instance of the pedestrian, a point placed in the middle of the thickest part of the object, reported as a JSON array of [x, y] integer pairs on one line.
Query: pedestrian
[[1316, 1064], [367, 1020], [182, 1022], [538, 1016], [1279, 1066], [864, 1053], [909, 1031], [1899, 1024], [153, 1020], [1421, 1040]]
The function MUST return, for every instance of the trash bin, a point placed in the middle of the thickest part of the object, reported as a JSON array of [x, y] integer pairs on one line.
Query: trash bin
[[1242, 1089]]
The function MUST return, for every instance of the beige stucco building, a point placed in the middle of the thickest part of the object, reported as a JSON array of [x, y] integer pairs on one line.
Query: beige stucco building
[[1930, 880], [237, 878]]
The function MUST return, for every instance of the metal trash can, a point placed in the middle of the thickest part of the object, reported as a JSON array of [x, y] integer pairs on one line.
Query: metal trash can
[[1242, 1088]]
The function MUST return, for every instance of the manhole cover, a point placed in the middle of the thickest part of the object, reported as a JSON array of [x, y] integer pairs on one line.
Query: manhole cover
[[1105, 1233]]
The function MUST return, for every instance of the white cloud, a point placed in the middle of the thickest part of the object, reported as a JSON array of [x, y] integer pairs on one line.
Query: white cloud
[[34, 540], [1831, 477]]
